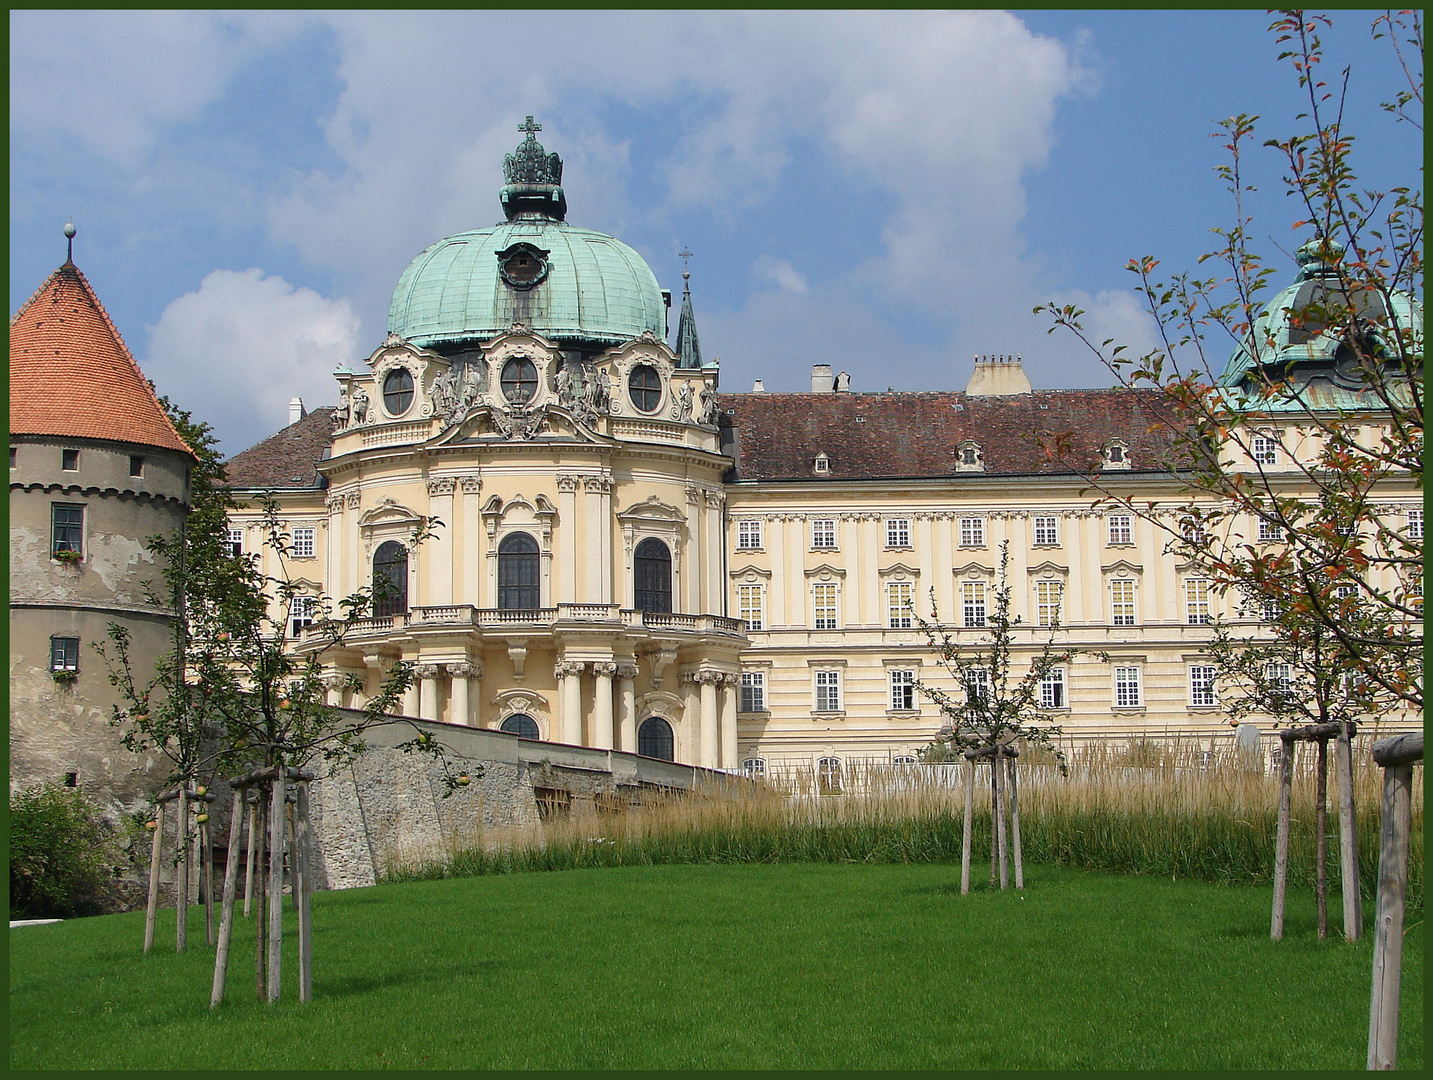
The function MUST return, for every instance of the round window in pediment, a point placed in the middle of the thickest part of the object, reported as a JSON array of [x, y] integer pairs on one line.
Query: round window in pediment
[[397, 391], [644, 386], [519, 380]]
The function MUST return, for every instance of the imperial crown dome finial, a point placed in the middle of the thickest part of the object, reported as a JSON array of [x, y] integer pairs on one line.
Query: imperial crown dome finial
[[533, 178]]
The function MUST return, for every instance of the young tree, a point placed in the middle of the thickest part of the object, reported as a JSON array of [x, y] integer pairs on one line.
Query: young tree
[[1290, 450]]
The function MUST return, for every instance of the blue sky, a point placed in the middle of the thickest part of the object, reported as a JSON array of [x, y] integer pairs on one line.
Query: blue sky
[[889, 193]]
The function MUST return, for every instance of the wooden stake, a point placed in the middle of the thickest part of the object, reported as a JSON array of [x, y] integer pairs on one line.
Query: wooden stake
[[155, 848], [1388, 916], [965, 830], [1281, 844], [206, 847], [293, 849], [1015, 822], [303, 885], [1348, 835], [181, 873], [997, 763], [254, 817], [226, 907], [276, 884], [1321, 841], [994, 843], [261, 811]]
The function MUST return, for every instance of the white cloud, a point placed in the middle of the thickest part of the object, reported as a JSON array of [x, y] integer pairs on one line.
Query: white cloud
[[252, 343], [770, 270]]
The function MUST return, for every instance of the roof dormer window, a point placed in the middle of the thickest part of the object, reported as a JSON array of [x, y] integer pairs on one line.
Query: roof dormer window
[[969, 457], [1115, 454], [822, 463]]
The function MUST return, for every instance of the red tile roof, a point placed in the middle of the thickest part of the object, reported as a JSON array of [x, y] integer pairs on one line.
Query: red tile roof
[[72, 376], [285, 459], [891, 435]]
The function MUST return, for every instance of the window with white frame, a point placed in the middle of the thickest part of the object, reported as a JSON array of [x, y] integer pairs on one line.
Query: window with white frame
[[754, 766], [828, 691], [905, 761], [1196, 602], [234, 540], [302, 547], [1052, 689], [1127, 688], [1269, 530], [1121, 528], [1122, 602], [822, 463], [1193, 532], [753, 691], [903, 689], [1269, 609], [823, 533], [748, 534], [1279, 679], [64, 654], [750, 604], [972, 532], [301, 614], [823, 606], [1048, 596], [977, 683], [1415, 524], [1264, 450], [1201, 686], [900, 597], [828, 776], [898, 532], [972, 602], [1345, 590], [1047, 531]]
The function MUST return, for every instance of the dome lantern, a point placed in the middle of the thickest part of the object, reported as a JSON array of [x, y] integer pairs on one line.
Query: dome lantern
[[534, 179]]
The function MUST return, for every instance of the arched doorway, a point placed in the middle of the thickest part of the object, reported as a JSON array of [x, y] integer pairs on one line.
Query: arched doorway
[[654, 739], [521, 725], [652, 576], [519, 584], [390, 579]]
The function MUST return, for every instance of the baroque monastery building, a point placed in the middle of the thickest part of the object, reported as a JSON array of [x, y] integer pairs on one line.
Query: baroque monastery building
[[629, 560]]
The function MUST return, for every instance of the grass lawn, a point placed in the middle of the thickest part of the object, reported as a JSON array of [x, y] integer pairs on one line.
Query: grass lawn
[[729, 966]]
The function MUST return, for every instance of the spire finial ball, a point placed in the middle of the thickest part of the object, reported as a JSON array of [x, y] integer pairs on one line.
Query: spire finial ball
[[70, 230]]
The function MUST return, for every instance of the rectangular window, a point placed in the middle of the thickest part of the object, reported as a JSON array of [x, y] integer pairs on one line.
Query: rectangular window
[[972, 600], [753, 691], [1052, 689], [903, 690], [1193, 532], [750, 604], [828, 691], [823, 605], [1264, 450], [1127, 695], [64, 654], [898, 532], [14, 451], [136, 465], [1201, 687], [235, 540], [1279, 679], [1269, 609], [1269, 530], [972, 532], [1121, 603], [67, 529], [823, 533], [1047, 531], [977, 683], [301, 613], [748, 534], [70, 460], [1121, 528], [1415, 524], [754, 767], [303, 544], [1047, 602], [1196, 602], [900, 596]]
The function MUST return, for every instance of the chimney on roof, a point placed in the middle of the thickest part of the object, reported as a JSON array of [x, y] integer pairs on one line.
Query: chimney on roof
[[843, 383], [998, 376], [758, 387], [820, 378], [296, 410]]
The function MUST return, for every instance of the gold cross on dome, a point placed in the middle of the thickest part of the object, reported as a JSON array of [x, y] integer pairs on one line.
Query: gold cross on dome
[[529, 126]]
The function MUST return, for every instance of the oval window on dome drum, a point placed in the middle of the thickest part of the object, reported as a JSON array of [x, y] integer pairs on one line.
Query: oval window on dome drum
[[397, 391], [654, 739], [522, 266], [519, 380], [644, 386], [521, 725]]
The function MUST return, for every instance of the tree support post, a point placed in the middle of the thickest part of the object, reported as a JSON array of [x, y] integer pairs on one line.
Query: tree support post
[[226, 907], [1012, 753], [154, 852], [966, 828], [1281, 842], [1321, 840], [276, 884], [1348, 834], [1397, 756]]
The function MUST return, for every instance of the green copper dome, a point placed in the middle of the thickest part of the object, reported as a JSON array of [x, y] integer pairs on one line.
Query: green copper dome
[[572, 285]]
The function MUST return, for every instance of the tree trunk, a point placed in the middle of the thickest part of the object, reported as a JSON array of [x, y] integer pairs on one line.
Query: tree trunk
[[997, 763], [1321, 841], [276, 884], [226, 907], [261, 811], [1348, 836], [303, 885], [966, 828], [181, 874], [1015, 822]]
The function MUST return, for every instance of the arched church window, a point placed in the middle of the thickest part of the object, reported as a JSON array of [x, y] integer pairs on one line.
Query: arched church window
[[652, 576], [521, 725], [397, 391], [654, 739], [390, 579], [644, 386], [519, 380], [519, 587]]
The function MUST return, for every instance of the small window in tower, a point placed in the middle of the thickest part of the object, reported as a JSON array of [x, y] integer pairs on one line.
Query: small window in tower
[[70, 460], [13, 452], [136, 466], [397, 391]]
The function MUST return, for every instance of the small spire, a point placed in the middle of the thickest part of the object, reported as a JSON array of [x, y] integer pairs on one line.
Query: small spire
[[689, 350], [70, 231]]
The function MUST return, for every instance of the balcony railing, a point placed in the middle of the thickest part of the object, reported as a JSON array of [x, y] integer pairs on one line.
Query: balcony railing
[[545, 618]]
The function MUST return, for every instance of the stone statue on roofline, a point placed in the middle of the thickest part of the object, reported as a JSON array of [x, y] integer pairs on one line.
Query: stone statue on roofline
[[359, 406]]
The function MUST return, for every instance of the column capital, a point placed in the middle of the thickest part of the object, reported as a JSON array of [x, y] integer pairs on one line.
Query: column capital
[[564, 668], [465, 670], [425, 671], [566, 483], [709, 678], [626, 671], [604, 667], [471, 484], [442, 485]]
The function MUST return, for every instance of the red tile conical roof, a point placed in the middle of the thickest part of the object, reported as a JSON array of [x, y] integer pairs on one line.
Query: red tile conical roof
[[71, 374]]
